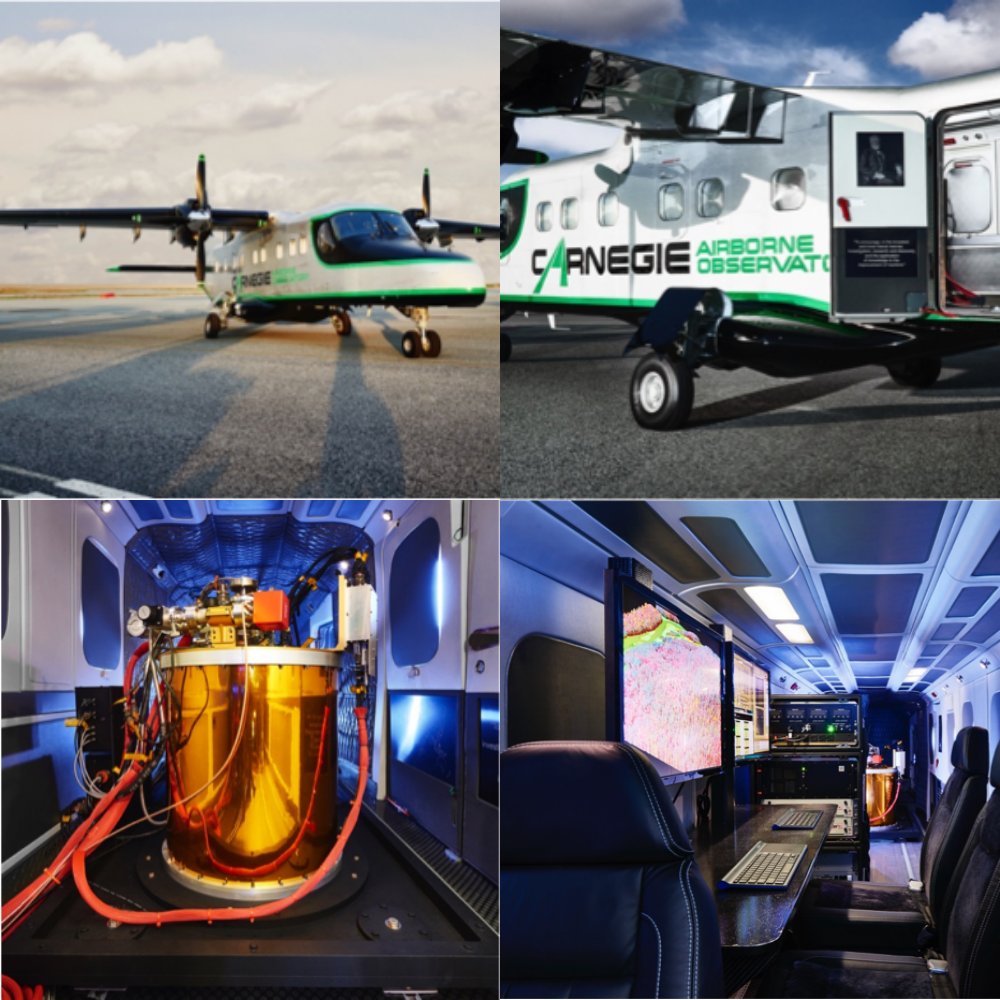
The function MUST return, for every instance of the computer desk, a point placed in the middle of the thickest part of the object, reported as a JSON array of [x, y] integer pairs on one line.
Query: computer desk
[[751, 921]]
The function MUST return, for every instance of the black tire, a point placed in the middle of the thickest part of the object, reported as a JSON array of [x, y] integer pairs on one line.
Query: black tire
[[505, 348], [917, 373], [341, 323], [212, 326], [411, 344], [433, 346], [662, 393]]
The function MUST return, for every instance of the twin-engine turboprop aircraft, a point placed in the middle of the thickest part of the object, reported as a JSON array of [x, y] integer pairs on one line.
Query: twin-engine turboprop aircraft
[[791, 231], [305, 267]]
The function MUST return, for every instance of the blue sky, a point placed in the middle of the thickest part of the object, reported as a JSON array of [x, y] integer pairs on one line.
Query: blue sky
[[776, 42]]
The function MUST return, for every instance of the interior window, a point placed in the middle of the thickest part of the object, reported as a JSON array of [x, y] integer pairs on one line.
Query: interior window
[[100, 607], [543, 216], [570, 215], [710, 198], [415, 595], [671, 202], [788, 189], [607, 209]]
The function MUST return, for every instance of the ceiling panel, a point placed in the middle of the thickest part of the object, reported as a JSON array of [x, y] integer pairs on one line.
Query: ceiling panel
[[969, 601], [872, 647], [871, 604], [947, 631], [987, 625], [877, 532], [989, 565], [723, 537], [735, 609]]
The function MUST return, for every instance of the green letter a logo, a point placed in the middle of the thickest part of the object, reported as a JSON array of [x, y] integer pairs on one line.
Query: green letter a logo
[[558, 259]]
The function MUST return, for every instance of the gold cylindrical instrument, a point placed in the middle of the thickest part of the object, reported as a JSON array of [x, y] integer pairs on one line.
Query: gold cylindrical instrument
[[879, 790], [257, 827]]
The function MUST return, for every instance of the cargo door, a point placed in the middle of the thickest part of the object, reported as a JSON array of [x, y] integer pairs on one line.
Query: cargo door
[[880, 195]]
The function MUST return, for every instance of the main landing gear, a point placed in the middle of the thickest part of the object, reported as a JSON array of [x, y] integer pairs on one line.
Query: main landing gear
[[341, 323], [420, 342], [917, 373], [214, 322], [662, 392]]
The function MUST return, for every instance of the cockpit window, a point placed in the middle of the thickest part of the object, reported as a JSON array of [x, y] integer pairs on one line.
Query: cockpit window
[[511, 216], [325, 242], [395, 227], [349, 224]]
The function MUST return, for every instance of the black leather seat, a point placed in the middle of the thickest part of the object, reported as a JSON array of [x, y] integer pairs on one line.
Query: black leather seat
[[844, 915], [600, 895], [969, 928]]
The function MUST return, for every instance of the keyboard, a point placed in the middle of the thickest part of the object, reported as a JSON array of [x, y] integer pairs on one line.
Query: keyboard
[[798, 819], [764, 866]]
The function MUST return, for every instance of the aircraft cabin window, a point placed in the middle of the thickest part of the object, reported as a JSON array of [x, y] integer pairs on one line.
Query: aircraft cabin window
[[263, 255], [292, 247], [671, 202], [788, 189], [543, 216], [302, 245], [607, 209], [279, 250], [253, 257], [100, 607], [710, 198], [570, 213]]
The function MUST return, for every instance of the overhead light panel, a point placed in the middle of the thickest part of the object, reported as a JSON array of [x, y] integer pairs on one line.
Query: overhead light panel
[[773, 601], [795, 633], [107, 506], [914, 675]]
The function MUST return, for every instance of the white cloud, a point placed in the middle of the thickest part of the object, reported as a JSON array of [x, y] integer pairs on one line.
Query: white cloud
[[962, 41], [599, 23], [387, 145], [250, 189], [780, 62], [76, 190], [83, 61], [275, 106], [56, 25], [104, 137], [420, 108]]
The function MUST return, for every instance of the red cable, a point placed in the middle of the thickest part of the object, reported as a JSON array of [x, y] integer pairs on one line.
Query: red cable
[[273, 866], [251, 913], [11, 989]]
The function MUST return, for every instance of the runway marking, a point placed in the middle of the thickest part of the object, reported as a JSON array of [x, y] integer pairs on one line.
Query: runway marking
[[88, 489]]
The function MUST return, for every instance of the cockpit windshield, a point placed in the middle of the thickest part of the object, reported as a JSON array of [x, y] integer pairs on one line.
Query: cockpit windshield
[[376, 225]]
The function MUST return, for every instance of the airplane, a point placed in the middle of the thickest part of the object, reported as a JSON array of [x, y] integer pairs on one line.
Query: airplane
[[792, 231], [279, 718], [750, 748], [304, 267]]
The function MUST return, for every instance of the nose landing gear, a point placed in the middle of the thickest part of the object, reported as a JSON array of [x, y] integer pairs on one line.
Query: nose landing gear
[[420, 342]]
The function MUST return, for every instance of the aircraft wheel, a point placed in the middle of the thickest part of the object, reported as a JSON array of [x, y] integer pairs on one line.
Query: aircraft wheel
[[212, 326], [917, 373], [411, 344], [431, 346], [662, 393], [505, 348], [341, 323]]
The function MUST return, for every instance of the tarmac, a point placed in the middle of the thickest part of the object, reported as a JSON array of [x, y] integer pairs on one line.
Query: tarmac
[[124, 395], [568, 429]]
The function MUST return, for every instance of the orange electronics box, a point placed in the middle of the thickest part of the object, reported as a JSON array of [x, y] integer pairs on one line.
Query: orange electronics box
[[270, 610]]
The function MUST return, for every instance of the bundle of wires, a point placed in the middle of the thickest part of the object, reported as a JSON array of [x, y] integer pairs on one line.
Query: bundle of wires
[[146, 720], [309, 580]]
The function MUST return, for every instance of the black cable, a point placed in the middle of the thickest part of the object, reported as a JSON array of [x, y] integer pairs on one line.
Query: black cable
[[679, 790]]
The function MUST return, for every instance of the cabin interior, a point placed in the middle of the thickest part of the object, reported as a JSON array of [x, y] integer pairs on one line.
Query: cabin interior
[[330, 668], [820, 678]]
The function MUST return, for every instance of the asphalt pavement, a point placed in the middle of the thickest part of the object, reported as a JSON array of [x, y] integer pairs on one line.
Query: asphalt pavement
[[125, 395], [568, 429]]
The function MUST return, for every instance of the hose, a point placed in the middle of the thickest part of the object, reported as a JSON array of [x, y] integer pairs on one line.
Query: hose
[[250, 913]]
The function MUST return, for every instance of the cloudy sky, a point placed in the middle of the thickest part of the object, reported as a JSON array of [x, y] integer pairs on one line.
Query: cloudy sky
[[777, 42], [293, 104]]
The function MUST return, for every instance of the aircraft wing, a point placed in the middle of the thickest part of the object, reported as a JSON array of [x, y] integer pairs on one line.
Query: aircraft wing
[[542, 77], [129, 218], [466, 231]]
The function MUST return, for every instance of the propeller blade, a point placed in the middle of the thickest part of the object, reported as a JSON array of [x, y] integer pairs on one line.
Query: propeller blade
[[199, 267], [201, 186], [427, 193]]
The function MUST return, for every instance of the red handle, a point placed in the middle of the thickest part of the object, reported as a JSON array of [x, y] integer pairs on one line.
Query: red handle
[[845, 207]]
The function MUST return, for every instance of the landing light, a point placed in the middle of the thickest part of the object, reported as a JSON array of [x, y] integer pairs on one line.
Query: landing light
[[773, 601], [795, 633]]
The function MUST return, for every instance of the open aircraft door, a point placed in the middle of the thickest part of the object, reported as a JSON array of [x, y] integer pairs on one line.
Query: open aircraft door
[[879, 194]]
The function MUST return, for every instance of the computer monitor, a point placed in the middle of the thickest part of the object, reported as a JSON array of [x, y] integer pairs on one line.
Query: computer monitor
[[423, 730], [667, 688], [751, 705]]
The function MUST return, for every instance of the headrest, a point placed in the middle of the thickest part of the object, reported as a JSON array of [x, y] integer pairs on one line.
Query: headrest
[[585, 803], [995, 768], [971, 751]]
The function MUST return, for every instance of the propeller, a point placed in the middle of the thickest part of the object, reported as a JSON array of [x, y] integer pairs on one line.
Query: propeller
[[420, 218], [197, 225]]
